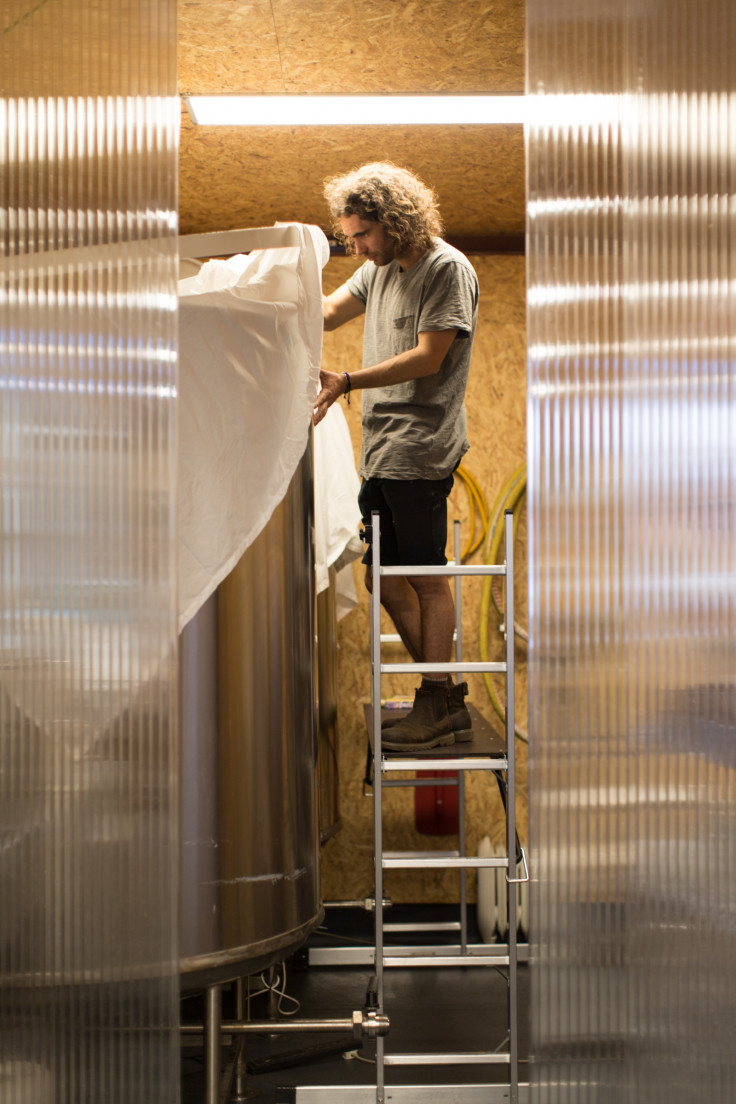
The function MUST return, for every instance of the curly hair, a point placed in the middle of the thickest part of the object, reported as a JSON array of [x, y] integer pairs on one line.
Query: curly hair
[[397, 199]]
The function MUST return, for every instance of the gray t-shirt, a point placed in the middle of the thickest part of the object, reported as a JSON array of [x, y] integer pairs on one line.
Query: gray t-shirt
[[416, 430]]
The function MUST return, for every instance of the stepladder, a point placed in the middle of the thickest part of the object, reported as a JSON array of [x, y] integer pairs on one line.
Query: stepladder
[[496, 756]]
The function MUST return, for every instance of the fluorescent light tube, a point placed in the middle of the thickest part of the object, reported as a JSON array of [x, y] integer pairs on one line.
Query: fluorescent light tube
[[354, 110]]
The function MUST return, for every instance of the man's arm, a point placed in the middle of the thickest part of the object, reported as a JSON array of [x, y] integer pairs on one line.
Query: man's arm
[[340, 307], [424, 359]]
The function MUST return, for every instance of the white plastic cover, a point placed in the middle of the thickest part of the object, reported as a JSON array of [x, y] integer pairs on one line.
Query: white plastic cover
[[250, 349], [336, 513]]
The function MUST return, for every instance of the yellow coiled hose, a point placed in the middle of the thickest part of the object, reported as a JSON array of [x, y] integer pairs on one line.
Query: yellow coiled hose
[[511, 497], [478, 508]]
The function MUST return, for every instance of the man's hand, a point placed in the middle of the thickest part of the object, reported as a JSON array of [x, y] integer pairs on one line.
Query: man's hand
[[333, 386]]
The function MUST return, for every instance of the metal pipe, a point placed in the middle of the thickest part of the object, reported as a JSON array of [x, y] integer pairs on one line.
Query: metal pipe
[[240, 1088], [212, 1036], [367, 903], [369, 1024]]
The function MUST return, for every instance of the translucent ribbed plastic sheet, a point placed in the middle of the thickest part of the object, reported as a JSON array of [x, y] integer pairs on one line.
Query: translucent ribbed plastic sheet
[[88, 760], [632, 588]]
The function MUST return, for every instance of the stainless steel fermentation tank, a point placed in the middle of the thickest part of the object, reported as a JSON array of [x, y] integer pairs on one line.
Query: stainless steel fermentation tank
[[250, 834], [330, 820]]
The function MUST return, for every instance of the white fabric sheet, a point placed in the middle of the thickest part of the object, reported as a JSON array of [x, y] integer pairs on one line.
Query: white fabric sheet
[[250, 337], [337, 517]]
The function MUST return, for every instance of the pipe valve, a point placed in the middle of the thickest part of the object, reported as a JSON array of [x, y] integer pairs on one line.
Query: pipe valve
[[369, 1025]]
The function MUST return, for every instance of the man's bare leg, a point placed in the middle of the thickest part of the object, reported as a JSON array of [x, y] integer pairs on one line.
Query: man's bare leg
[[436, 618], [422, 609], [401, 602]]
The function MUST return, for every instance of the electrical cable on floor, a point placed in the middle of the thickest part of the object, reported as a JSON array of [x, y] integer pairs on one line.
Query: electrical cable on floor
[[273, 987], [350, 1055]]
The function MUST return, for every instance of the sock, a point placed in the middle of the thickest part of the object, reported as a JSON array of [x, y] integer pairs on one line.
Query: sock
[[433, 683]]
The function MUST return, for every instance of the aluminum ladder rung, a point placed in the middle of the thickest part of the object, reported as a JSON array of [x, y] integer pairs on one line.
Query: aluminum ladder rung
[[448, 763], [443, 569], [435, 1093], [469, 1058], [421, 854], [470, 863], [451, 668], [497, 953], [424, 926], [411, 960], [419, 783]]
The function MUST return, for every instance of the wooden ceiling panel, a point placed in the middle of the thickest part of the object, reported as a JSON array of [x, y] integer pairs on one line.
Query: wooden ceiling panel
[[235, 177], [401, 45], [228, 47], [342, 46]]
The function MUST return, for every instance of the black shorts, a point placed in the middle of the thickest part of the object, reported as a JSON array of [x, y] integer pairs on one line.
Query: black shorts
[[413, 515]]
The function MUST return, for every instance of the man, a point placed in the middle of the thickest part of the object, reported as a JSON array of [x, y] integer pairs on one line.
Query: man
[[420, 299]]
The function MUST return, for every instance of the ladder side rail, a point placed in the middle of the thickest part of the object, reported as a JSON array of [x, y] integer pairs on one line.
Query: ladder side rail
[[511, 812], [458, 597], [377, 669], [462, 838], [375, 650]]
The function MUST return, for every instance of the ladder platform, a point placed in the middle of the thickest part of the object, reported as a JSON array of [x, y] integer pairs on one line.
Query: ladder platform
[[486, 750]]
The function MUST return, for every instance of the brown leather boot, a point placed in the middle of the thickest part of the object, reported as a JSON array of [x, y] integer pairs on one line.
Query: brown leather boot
[[427, 725], [462, 726]]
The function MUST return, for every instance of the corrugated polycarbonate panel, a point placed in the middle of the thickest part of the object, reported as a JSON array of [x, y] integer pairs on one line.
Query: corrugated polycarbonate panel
[[632, 452], [88, 765]]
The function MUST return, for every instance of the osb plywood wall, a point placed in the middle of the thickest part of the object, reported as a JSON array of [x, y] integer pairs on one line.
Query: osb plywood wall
[[303, 46], [232, 177], [496, 403]]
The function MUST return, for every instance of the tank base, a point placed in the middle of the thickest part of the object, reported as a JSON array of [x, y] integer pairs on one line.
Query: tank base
[[202, 971]]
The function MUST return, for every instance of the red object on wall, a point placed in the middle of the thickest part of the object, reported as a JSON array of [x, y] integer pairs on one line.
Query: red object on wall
[[436, 807]]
